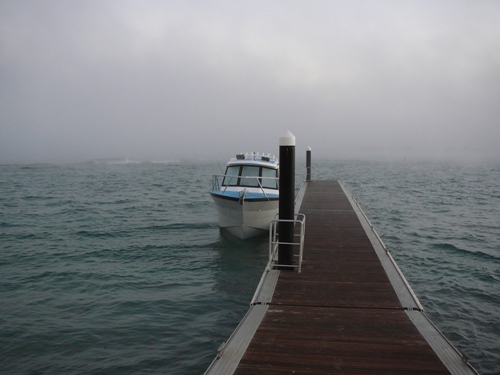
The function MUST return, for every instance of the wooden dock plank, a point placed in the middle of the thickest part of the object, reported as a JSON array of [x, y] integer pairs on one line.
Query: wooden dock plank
[[340, 268], [300, 340], [350, 310]]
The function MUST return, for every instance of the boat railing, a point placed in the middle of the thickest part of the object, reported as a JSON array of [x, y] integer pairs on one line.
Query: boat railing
[[274, 242], [218, 182]]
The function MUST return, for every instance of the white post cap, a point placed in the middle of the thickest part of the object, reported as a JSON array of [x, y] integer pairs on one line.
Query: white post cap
[[308, 148], [287, 139]]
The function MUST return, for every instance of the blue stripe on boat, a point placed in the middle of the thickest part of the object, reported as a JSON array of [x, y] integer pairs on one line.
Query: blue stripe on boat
[[248, 196]]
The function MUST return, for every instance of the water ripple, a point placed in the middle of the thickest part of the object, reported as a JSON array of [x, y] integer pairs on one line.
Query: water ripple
[[119, 269]]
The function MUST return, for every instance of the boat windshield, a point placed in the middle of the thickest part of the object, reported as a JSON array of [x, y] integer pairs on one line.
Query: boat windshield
[[231, 178], [270, 182], [248, 171], [250, 176]]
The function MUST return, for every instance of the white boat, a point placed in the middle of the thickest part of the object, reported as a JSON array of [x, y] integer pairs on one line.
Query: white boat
[[247, 195]]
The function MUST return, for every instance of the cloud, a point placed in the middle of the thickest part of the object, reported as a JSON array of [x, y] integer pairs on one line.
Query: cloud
[[174, 79]]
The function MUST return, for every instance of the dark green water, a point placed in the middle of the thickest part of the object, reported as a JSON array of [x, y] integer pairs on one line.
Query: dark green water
[[120, 268]]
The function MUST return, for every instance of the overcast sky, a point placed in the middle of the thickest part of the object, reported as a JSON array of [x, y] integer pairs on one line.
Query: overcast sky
[[159, 80]]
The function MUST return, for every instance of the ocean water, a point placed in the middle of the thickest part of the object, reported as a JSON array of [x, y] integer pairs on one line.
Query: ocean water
[[119, 268]]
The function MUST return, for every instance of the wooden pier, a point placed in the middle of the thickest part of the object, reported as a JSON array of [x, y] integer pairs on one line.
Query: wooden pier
[[349, 311]]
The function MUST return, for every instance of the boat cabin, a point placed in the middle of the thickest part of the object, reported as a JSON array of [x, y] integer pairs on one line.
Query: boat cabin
[[252, 171], [250, 176]]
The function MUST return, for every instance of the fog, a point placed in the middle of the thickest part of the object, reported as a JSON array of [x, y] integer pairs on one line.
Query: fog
[[165, 80]]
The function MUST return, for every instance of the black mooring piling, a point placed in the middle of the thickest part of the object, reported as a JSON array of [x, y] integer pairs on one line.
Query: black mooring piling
[[287, 199], [308, 164]]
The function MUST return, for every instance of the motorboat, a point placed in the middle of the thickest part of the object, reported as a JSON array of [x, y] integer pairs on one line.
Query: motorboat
[[246, 195]]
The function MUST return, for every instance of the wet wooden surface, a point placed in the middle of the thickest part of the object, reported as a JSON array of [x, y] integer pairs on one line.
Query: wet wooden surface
[[340, 315]]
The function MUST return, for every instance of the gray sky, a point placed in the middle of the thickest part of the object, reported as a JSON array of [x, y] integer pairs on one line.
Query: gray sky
[[159, 80]]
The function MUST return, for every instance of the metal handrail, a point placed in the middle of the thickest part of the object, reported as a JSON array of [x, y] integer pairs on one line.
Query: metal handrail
[[274, 242]]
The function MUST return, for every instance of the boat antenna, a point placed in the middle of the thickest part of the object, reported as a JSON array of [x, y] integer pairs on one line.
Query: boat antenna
[[221, 171]]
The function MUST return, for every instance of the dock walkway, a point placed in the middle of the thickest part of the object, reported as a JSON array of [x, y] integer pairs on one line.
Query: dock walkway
[[349, 311]]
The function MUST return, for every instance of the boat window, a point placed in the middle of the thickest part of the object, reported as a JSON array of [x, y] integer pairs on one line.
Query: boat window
[[270, 182], [248, 171], [229, 179]]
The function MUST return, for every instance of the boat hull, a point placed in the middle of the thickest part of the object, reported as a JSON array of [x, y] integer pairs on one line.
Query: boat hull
[[246, 219]]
